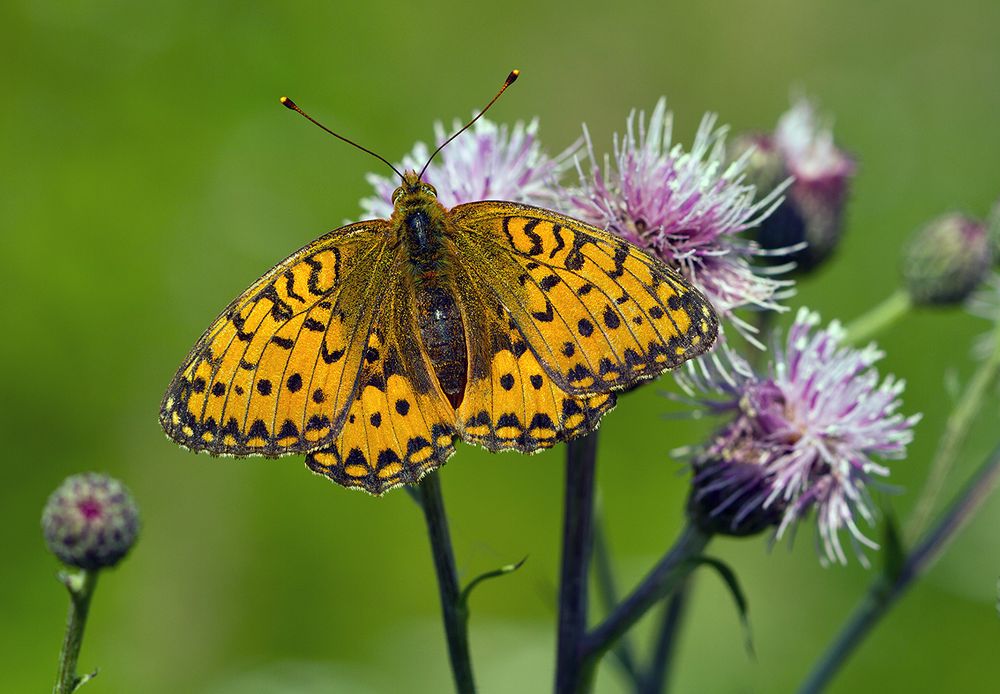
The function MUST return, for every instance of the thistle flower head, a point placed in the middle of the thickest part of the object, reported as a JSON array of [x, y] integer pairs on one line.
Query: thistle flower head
[[813, 209], [488, 162], [814, 427], [90, 521], [946, 260], [687, 208]]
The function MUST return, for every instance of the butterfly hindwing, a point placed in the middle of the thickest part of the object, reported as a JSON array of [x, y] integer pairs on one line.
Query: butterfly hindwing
[[275, 372], [510, 401], [598, 313], [399, 425]]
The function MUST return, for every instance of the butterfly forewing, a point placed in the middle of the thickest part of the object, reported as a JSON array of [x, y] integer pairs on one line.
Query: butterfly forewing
[[277, 369], [598, 313]]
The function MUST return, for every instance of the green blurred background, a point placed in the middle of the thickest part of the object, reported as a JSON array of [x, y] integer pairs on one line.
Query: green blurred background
[[149, 175]]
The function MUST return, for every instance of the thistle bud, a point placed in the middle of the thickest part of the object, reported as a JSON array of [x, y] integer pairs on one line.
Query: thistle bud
[[946, 260], [765, 167], [731, 487], [90, 521], [813, 210]]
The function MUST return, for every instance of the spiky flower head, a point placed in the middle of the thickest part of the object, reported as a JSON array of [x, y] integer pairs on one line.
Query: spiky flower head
[[687, 208], [488, 162], [731, 483], [806, 436], [90, 521], [946, 260], [813, 211]]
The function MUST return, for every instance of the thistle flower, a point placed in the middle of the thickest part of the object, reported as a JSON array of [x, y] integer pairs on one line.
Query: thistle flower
[[813, 209], [805, 437], [687, 208], [90, 521], [946, 260], [490, 162]]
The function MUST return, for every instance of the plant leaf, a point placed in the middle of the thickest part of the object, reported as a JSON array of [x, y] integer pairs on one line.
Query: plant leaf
[[739, 597], [463, 598]]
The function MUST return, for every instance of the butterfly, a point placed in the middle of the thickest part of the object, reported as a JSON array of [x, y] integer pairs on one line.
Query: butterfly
[[378, 345]]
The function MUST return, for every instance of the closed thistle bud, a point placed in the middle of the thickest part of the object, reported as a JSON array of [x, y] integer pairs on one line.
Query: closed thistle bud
[[813, 209], [731, 487], [90, 521], [946, 260], [765, 167]]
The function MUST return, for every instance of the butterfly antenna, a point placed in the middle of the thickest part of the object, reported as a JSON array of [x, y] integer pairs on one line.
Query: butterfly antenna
[[288, 103], [510, 80]]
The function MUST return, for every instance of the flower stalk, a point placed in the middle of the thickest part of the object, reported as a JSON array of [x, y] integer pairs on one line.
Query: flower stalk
[[656, 679], [878, 318], [81, 587], [454, 613], [956, 429], [665, 578], [577, 542], [886, 590], [607, 591]]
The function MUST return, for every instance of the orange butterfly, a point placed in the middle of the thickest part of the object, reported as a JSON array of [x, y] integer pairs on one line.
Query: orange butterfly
[[374, 347]]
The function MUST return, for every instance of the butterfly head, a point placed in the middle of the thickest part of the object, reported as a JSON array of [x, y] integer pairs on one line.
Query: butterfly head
[[413, 192]]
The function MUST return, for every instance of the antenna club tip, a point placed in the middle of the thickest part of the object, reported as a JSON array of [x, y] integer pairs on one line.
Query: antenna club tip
[[513, 76], [287, 103]]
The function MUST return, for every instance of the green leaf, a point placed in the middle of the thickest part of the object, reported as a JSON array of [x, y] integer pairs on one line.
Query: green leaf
[[739, 597], [463, 598], [83, 679]]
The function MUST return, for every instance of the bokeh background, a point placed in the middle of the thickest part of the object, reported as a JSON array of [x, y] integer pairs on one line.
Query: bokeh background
[[149, 174]]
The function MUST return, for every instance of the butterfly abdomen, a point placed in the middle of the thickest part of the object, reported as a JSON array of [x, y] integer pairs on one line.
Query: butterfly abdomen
[[443, 336]]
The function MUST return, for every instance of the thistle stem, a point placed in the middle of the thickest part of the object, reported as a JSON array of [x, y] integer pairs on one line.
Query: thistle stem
[[456, 617], [956, 429], [879, 317], [655, 681], [886, 590], [581, 464], [668, 574], [607, 590], [81, 589]]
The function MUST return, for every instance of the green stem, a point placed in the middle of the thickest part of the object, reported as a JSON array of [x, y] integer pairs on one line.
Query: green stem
[[955, 431], [879, 317], [662, 580], [660, 663], [81, 589], [885, 591], [607, 590], [456, 617], [577, 542]]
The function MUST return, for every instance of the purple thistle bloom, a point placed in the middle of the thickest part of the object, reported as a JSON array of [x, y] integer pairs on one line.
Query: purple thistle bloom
[[812, 427], [809, 149], [489, 162], [814, 208], [687, 208]]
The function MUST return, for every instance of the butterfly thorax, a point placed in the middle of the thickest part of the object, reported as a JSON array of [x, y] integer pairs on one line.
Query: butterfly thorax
[[421, 223]]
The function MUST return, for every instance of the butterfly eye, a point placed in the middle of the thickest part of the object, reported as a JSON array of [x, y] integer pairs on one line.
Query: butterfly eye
[[428, 188], [396, 193]]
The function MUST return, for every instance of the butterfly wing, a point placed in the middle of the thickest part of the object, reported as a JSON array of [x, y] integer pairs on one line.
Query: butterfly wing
[[276, 371], [510, 401], [400, 425], [598, 313]]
